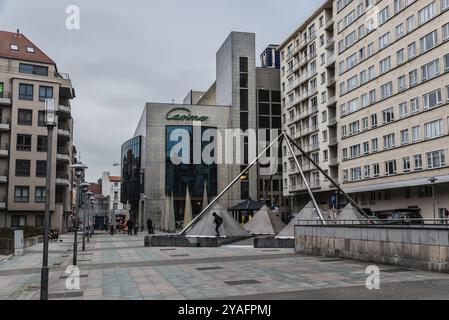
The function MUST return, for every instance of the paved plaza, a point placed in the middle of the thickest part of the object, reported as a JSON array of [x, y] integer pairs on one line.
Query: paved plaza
[[120, 267]]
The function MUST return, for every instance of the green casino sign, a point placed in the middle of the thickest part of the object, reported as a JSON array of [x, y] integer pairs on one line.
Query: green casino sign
[[183, 114]]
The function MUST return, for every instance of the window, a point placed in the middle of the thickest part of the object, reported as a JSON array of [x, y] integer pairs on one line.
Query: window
[[375, 144], [388, 115], [21, 194], [1, 89], [402, 83], [374, 120], [411, 50], [386, 90], [345, 176], [417, 159], [45, 93], [352, 83], [354, 151], [390, 168], [406, 164], [26, 91], [41, 169], [433, 129], [426, 13], [410, 23], [444, 5], [354, 128], [244, 80], [414, 104], [446, 31], [376, 170], [413, 78], [400, 30], [365, 123], [351, 61], [42, 143], [356, 174], [416, 134], [345, 153], [41, 119], [23, 168], [363, 77], [385, 65], [398, 5], [446, 63], [429, 41], [366, 147], [403, 110], [14, 47], [243, 102], [30, 49], [33, 69], [436, 159], [371, 73], [432, 99], [370, 49], [18, 221], [384, 40], [404, 136], [364, 100], [25, 117], [384, 15], [372, 96], [367, 172], [243, 64], [389, 141], [23, 142], [39, 196], [430, 70]]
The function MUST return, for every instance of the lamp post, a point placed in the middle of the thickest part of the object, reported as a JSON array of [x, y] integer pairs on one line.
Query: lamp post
[[50, 121], [89, 216], [433, 180], [87, 194], [79, 168]]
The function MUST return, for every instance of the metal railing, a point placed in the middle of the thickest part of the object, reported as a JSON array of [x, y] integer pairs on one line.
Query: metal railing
[[410, 223], [4, 146], [5, 121], [63, 151], [62, 175], [55, 74], [5, 95], [3, 172]]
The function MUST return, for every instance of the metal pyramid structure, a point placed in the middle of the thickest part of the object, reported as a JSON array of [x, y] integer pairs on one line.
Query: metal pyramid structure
[[307, 213], [350, 215], [205, 226], [265, 222]]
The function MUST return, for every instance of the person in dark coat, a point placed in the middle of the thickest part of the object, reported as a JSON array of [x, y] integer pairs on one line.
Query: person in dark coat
[[111, 230], [150, 226], [218, 221], [130, 225]]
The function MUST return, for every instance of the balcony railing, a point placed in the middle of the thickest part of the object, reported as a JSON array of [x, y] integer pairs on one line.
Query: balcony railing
[[332, 121], [331, 100], [5, 95], [62, 175], [12, 69], [3, 172], [4, 146], [63, 151]]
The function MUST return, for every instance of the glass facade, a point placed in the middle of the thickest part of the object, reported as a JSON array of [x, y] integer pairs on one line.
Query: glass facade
[[178, 177], [132, 176]]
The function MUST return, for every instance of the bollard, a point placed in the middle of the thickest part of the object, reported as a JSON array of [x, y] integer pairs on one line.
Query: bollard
[[18, 242]]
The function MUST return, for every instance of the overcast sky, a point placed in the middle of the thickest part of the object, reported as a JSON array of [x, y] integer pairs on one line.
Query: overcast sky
[[129, 52]]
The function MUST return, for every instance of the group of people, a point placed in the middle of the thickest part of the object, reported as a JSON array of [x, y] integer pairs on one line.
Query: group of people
[[129, 228]]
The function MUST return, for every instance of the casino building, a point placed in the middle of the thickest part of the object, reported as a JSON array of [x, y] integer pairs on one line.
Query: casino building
[[242, 97]]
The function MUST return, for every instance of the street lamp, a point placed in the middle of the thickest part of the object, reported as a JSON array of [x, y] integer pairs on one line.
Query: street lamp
[[78, 168], [50, 121], [433, 181], [89, 216]]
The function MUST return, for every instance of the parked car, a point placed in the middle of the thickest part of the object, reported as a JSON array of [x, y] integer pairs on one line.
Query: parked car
[[404, 217]]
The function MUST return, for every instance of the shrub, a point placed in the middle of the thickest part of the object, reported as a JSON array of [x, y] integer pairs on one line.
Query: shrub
[[28, 232]]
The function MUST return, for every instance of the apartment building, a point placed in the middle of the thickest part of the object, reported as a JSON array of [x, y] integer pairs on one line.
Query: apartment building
[[393, 94], [309, 106], [111, 188], [28, 77]]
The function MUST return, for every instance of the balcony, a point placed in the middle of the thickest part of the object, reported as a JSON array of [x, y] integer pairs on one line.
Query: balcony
[[62, 109], [332, 122], [5, 124], [293, 52], [307, 75], [64, 131], [331, 81], [311, 92], [333, 141], [333, 162], [5, 98], [311, 148], [62, 178], [314, 184], [3, 175], [330, 61], [292, 86], [330, 42], [329, 24], [292, 70], [309, 130], [63, 155], [307, 59], [4, 150], [332, 101]]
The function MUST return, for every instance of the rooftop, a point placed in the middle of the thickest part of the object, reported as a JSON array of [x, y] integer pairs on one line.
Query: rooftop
[[14, 45]]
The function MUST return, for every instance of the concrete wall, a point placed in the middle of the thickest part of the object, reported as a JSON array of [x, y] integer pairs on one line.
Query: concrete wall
[[421, 248]]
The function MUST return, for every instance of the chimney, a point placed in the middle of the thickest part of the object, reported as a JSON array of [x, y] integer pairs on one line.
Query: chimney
[[18, 31]]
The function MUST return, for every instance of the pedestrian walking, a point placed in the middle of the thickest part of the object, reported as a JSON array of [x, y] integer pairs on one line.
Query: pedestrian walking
[[150, 226], [130, 225], [111, 230], [218, 221]]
